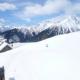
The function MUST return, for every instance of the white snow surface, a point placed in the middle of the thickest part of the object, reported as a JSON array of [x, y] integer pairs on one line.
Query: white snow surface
[[56, 58], [3, 45]]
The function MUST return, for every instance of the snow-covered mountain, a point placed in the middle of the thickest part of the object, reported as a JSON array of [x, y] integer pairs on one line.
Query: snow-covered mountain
[[56, 58], [4, 28], [43, 30], [65, 22], [71, 22]]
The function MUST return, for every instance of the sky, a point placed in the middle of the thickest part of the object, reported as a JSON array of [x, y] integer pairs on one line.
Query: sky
[[30, 12]]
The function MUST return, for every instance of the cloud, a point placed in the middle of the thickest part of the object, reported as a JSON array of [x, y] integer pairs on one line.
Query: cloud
[[7, 6], [48, 8], [2, 22], [76, 8], [72, 9]]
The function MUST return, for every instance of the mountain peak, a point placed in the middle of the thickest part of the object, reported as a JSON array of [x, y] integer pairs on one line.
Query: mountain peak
[[74, 18], [70, 22]]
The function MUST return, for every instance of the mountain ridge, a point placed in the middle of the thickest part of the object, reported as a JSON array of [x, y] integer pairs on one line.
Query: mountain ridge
[[42, 30]]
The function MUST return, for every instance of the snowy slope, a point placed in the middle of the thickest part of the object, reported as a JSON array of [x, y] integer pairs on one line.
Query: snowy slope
[[56, 58]]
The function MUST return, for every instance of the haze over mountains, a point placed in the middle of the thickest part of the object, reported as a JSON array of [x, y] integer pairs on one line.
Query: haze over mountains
[[41, 31]]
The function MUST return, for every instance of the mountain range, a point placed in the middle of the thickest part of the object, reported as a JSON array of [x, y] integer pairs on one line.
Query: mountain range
[[41, 31]]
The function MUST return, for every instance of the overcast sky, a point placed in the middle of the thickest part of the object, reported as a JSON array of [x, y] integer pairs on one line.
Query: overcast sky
[[33, 11]]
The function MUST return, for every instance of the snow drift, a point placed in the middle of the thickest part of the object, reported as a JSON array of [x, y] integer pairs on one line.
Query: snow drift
[[56, 58]]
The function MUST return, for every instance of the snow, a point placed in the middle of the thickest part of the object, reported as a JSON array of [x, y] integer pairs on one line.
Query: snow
[[65, 22], [18, 44], [56, 58], [70, 22], [2, 46]]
